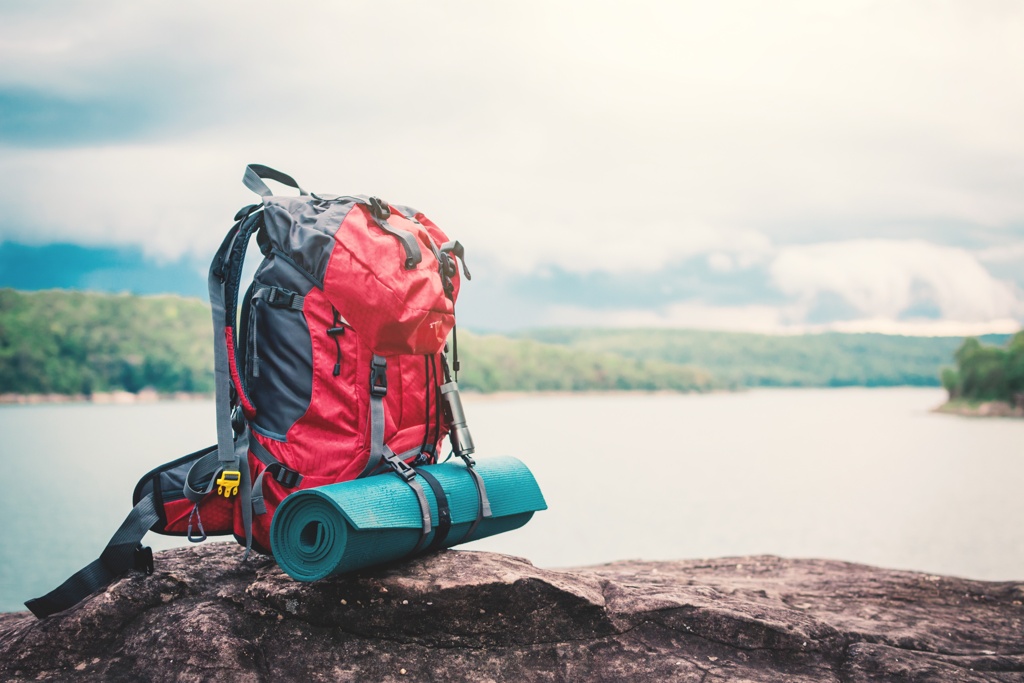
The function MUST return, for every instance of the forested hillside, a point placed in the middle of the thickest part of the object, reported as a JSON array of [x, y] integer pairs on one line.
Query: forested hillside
[[493, 363], [81, 343], [752, 360]]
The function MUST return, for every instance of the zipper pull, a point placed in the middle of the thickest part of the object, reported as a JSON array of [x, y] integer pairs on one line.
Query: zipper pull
[[334, 333]]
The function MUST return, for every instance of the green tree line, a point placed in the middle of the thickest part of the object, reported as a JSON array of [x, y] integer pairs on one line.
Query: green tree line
[[495, 363], [82, 343], [986, 372], [739, 359]]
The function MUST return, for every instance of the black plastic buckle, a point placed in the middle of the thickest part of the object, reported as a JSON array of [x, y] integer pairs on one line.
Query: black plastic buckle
[[286, 477], [335, 331], [237, 419], [143, 559], [379, 378], [379, 208], [281, 298], [401, 468]]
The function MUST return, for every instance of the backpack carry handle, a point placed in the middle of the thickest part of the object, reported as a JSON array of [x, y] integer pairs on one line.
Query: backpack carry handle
[[253, 179]]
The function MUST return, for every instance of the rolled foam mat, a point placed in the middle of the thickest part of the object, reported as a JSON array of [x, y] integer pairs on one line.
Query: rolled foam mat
[[339, 528]]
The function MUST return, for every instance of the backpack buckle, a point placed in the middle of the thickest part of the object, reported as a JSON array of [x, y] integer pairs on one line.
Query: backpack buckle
[[401, 468], [143, 559], [284, 298], [227, 483], [287, 478], [379, 377]]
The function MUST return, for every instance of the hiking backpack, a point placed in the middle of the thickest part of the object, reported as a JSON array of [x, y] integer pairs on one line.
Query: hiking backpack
[[335, 367]]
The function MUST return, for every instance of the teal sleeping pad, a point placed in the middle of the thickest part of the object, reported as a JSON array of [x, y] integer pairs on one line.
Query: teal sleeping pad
[[342, 527]]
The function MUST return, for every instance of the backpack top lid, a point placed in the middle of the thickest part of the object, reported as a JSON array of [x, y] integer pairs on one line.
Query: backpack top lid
[[388, 269]]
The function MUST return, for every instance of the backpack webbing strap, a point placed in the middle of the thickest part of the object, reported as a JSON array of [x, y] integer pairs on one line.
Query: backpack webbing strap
[[378, 390], [381, 454], [254, 173], [285, 476], [200, 480], [483, 503], [245, 492], [123, 552], [444, 515], [381, 211], [408, 475]]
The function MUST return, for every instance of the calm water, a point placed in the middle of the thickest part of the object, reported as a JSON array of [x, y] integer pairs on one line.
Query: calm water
[[867, 475]]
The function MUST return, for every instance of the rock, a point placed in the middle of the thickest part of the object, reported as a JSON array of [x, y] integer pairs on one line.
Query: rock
[[461, 615]]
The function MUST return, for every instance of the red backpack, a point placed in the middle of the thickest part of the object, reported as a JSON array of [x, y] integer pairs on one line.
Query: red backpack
[[336, 367]]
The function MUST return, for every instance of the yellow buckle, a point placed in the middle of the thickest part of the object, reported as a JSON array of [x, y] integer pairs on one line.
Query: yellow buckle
[[227, 484]]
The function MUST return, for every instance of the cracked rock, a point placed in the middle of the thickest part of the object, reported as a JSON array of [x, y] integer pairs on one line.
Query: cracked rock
[[460, 615]]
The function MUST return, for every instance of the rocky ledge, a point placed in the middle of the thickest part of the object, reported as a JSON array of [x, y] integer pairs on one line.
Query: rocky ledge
[[462, 615]]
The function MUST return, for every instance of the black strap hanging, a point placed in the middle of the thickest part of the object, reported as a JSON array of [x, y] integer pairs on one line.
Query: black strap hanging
[[124, 551]]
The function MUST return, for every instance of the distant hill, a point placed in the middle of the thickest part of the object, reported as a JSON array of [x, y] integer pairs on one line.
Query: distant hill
[[82, 343], [756, 360], [494, 363]]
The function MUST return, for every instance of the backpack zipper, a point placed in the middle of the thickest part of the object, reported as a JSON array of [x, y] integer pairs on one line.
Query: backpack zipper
[[334, 332], [252, 333]]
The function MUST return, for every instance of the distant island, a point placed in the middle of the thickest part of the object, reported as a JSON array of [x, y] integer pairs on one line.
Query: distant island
[[988, 380], [71, 345]]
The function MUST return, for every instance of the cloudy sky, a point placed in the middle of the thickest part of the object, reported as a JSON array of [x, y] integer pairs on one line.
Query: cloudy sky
[[774, 166]]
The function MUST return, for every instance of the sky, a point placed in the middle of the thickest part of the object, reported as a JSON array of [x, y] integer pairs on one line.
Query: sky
[[763, 166]]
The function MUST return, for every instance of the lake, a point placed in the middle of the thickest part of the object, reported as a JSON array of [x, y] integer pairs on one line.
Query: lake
[[866, 475]]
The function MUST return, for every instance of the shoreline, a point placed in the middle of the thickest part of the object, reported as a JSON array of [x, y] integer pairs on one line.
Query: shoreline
[[980, 409], [101, 398]]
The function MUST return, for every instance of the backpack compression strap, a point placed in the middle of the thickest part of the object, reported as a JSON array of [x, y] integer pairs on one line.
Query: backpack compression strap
[[123, 552]]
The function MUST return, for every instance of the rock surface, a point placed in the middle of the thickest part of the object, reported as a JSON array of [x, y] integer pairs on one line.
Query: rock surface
[[461, 615]]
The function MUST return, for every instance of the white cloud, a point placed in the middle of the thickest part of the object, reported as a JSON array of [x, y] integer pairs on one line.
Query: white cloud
[[885, 278], [885, 286], [1005, 253], [762, 319], [609, 246], [171, 201], [684, 315], [615, 122]]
